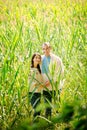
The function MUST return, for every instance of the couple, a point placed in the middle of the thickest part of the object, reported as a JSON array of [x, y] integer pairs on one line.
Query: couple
[[44, 78]]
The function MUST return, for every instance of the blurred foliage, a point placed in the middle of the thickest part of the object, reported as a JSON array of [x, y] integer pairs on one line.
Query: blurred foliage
[[24, 26]]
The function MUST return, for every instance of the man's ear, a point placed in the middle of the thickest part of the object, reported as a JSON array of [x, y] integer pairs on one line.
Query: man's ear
[[50, 47]]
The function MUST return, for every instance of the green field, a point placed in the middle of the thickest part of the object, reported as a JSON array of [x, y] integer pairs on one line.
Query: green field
[[24, 26]]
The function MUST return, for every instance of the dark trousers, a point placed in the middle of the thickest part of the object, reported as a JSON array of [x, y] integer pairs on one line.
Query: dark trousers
[[35, 101], [48, 99]]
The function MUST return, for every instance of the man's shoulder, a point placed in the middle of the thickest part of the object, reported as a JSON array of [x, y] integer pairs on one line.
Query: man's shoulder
[[42, 56], [53, 56]]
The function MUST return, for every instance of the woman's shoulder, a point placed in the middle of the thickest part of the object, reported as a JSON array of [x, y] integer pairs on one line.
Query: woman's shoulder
[[34, 70]]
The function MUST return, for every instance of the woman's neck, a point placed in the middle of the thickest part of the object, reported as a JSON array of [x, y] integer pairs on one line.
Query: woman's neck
[[35, 65]]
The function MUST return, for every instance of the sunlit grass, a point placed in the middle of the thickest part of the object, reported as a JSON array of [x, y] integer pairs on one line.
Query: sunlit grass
[[24, 26]]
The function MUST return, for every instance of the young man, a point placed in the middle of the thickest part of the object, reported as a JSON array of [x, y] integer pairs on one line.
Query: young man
[[52, 70]]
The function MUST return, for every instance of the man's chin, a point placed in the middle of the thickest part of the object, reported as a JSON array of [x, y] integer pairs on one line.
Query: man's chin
[[46, 54]]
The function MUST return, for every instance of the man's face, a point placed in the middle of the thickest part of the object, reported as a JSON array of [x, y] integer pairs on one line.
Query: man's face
[[46, 50]]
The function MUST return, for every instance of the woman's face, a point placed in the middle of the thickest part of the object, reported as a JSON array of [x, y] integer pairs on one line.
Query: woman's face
[[37, 60]]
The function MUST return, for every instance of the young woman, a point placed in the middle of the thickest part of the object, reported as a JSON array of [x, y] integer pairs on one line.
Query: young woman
[[35, 82]]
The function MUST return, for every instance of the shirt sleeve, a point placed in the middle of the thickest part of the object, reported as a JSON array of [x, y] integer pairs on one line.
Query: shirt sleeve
[[56, 69]]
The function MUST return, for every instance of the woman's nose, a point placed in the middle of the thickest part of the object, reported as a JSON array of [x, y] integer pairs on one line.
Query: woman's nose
[[38, 60]]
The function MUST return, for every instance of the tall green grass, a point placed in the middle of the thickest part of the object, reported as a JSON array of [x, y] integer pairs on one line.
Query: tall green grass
[[24, 26]]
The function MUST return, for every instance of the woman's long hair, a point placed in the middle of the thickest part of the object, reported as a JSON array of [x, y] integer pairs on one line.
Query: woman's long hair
[[32, 62]]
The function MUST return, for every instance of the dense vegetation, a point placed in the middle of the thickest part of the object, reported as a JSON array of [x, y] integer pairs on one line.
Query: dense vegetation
[[24, 26]]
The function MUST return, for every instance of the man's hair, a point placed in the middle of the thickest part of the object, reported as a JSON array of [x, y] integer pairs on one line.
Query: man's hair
[[46, 44]]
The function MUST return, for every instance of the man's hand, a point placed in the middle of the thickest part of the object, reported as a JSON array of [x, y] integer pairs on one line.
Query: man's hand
[[47, 83]]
